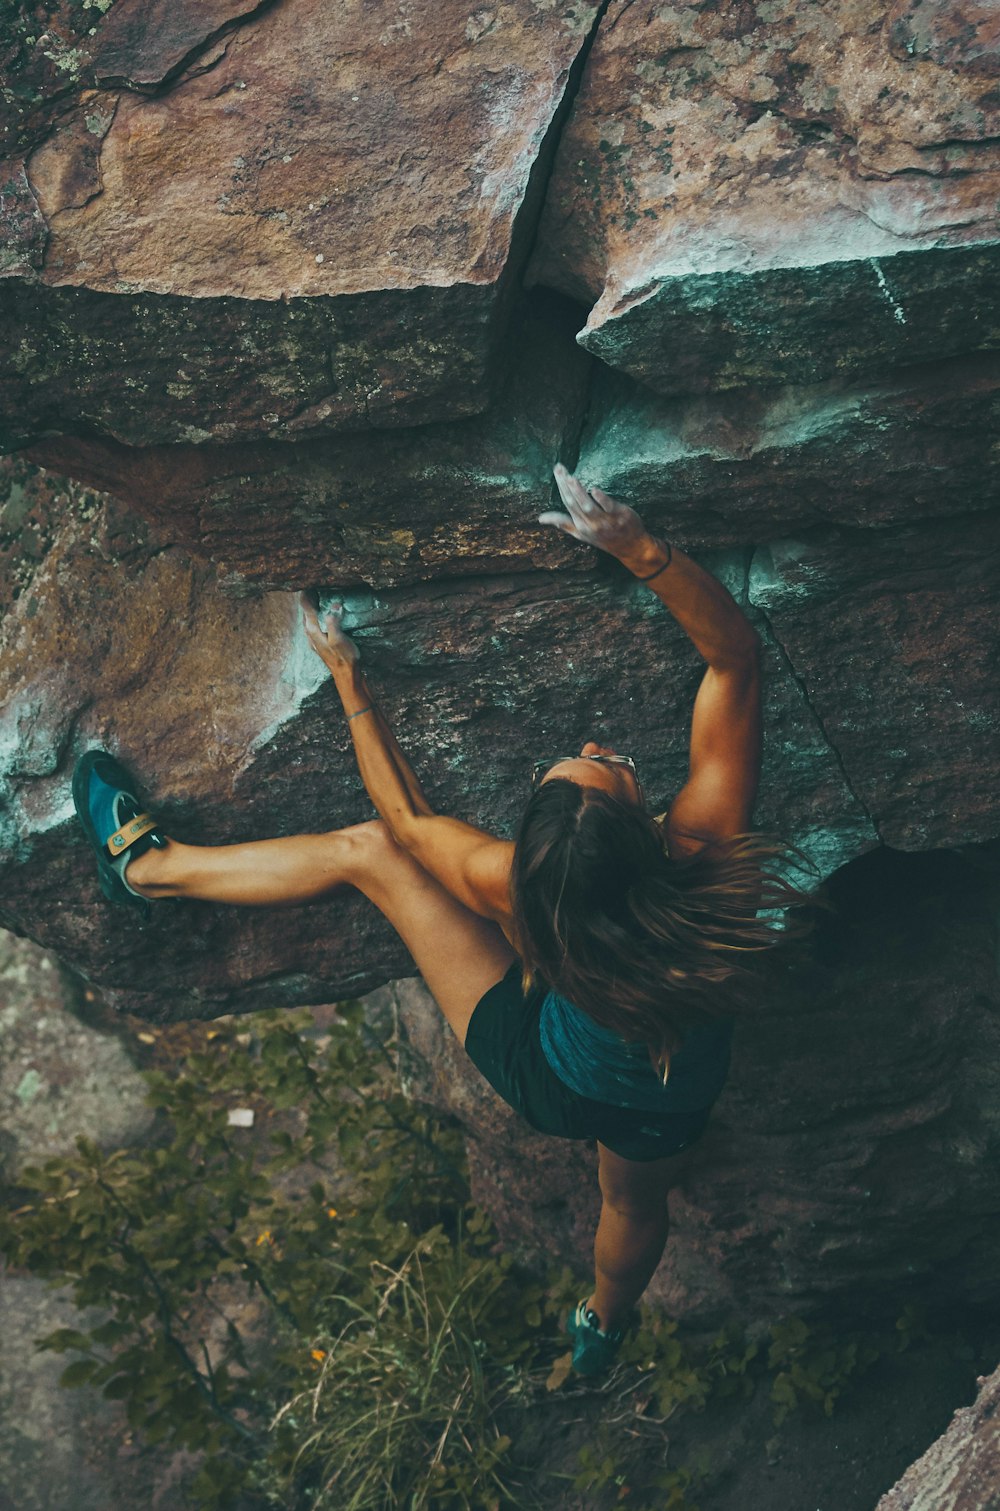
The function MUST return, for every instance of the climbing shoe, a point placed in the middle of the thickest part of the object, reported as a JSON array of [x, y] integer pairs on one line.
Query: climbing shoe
[[594, 1351], [114, 822]]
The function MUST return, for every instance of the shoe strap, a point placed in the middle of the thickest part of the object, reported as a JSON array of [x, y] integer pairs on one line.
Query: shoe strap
[[129, 832]]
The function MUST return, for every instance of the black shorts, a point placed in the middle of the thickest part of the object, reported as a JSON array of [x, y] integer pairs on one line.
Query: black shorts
[[503, 1043]]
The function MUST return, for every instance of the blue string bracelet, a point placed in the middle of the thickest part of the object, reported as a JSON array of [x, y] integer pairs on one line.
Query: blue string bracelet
[[360, 711]]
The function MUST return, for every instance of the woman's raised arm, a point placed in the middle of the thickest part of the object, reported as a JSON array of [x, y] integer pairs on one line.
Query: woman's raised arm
[[473, 865], [717, 799]]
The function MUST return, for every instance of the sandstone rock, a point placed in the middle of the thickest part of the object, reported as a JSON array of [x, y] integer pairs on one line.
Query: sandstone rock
[[754, 195], [722, 470], [427, 502], [316, 225], [853, 1155], [961, 1471], [144, 45], [884, 620], [431, 501]]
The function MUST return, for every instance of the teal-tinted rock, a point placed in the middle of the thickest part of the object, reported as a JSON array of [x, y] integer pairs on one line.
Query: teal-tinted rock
[[802, 324], [721, 469]]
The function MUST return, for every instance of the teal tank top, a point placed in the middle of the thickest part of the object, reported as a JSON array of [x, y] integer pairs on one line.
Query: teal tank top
[[597, 1063]]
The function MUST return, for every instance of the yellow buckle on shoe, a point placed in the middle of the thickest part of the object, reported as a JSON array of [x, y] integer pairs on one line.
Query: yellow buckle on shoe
[[119, 842]]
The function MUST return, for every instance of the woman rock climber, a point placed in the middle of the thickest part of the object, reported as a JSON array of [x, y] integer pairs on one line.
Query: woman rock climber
[[589, 966]]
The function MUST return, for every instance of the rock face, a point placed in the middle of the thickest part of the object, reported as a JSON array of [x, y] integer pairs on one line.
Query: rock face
[[430, 501], [223, 711], [961, 1471], [263, 327], [277, 219], [758, 195]]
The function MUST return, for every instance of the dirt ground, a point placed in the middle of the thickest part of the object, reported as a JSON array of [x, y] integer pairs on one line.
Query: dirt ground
[[884, 1421]]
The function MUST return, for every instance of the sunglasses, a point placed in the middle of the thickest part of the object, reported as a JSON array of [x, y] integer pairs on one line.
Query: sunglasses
[[539, 768]]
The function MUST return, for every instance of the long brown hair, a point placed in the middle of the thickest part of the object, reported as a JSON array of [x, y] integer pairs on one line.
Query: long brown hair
[[639, 941]]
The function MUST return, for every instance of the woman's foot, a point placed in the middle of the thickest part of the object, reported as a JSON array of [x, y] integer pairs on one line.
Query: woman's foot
[[115, 823], [594, 1348]]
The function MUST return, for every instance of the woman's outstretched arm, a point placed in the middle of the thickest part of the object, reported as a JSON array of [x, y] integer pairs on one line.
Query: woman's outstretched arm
[[473, 865], [717, 799]]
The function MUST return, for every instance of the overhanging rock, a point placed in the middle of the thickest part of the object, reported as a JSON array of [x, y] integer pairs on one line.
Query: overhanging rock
[[761, 195], [315, 224], [442, 500]]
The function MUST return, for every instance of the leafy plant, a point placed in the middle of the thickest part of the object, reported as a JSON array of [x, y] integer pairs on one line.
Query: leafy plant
[[812, 1365], [378, 1327]]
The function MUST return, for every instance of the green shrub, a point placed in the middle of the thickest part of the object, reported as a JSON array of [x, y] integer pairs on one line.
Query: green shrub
[[384, 1333]]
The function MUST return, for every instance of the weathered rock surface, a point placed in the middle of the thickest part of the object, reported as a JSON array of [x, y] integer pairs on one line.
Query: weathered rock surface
[[310, 218], [961, 1471], [755, 194], [432, 501], [462, 497], [720, 470], [853, 1154], [58, 1077], [899, 619]]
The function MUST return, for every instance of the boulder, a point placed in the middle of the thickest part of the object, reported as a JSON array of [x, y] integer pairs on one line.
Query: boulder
[[723, 469], [59, 1077], [276, 221], [961, 1471], [756, 195], [884, 620], [715, 472], [262, 327]]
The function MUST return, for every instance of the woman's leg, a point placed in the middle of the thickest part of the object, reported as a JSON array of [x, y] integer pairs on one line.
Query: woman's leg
[[267, 873], [632, 1232], [459, 954]]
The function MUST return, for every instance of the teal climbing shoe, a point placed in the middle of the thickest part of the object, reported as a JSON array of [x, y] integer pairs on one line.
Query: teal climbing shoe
[[114, 822], [594, 1351]]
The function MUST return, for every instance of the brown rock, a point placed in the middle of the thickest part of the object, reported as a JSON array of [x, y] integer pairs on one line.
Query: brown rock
[[891, 620], [755, 197], [961, 1471], [144, 43], [959, 34], [426, 502], [316, 227], [727, 469], [707, 472]]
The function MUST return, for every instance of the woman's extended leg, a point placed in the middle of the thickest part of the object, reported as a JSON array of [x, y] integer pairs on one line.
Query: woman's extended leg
[[267, 873], [459, 954], [632, 1232]]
